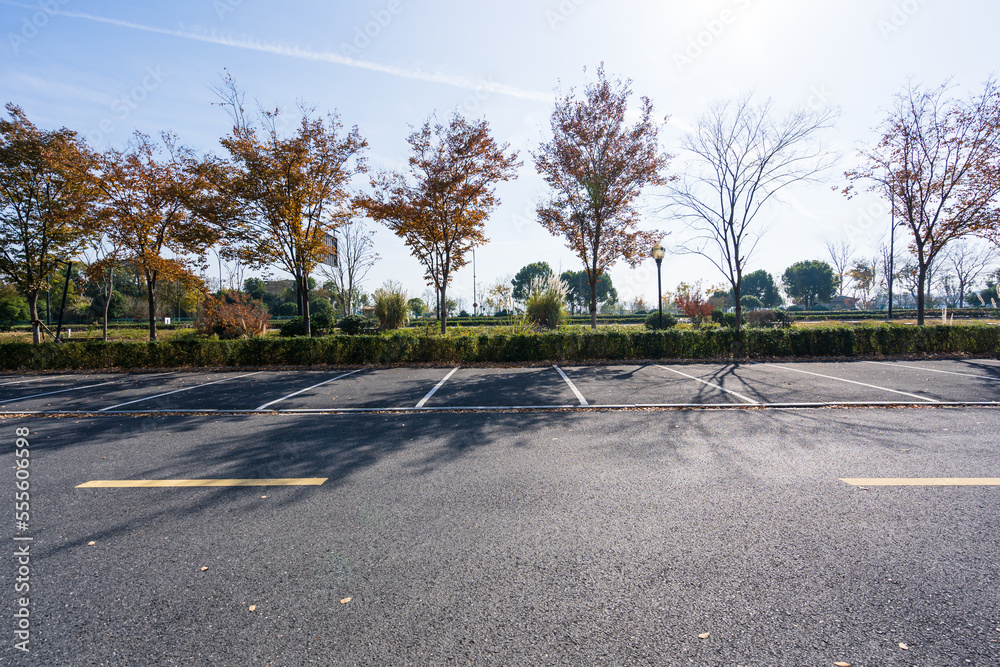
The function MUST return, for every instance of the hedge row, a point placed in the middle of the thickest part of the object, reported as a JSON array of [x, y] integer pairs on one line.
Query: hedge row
[[399, 347]]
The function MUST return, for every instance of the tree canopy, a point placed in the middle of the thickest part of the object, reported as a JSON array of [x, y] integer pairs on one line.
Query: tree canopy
[[810, 282], [597, 166], [523, 278]]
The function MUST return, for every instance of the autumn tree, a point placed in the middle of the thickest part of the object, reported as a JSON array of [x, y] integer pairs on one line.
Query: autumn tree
[[938, 164], [742, 157], [102, 259], [152, 191], [597, 166], [440, 207], [865, 279], [46, 204], [284, 195], [355, 258]]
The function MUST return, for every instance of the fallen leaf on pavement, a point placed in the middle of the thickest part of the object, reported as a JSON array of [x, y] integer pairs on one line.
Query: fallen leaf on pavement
[[904, 646], [842, 664], [90, 544], [345, 600], [704, 635], [252, 607], [203, 569]]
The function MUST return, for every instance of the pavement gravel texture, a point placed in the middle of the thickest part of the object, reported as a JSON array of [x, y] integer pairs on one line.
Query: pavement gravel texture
[[514, 538]]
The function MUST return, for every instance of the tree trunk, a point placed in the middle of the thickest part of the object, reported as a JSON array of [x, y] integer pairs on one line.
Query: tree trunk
[[593, 279], [151, 299], [304, 300], [921, 277], [36, 334], [443, 307], [737, 293]]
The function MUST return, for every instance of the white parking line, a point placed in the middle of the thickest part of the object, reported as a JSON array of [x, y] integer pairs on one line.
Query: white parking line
[[934, 370], [177, 391], [302, 391], [710, 384], [436, 387], [61, 391], [47, 377], [862, 384], [576, 392]]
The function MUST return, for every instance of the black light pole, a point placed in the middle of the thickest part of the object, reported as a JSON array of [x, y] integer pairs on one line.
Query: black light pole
[[658, 253], [475, 296]]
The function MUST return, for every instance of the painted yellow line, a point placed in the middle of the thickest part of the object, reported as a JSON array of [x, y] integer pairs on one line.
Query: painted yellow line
[[923, 481], [148, 483]]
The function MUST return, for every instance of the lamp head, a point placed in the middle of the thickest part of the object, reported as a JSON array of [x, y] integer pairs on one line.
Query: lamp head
[[658, 252]]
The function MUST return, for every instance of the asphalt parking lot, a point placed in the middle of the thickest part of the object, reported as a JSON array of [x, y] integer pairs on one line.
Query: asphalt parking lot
[[784, 384], [801, 513]]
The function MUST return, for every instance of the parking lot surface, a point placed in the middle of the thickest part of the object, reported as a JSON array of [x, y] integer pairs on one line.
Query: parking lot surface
[[793, 513], [924, 382]]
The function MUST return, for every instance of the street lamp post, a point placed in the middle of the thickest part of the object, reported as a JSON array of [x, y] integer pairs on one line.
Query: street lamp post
[[658, 252]]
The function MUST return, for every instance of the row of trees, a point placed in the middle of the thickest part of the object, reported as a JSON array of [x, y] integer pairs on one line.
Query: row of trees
[[276, 200]]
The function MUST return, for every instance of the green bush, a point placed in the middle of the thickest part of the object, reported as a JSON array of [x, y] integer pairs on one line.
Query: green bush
[[724, 319], [352, 325], [653, 321], [463, 347], [391, 309], [320, 324], [13, 308]]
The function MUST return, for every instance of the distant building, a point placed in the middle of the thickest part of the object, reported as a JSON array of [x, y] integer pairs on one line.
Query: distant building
[[841, 302]]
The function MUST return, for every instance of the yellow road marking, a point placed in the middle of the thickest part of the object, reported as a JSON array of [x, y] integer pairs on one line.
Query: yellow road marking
[[923, 481], [146, 483]]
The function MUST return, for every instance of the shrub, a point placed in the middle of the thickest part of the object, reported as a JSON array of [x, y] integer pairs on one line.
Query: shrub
[[233, 315], [795, 309], [694, 305], [13, 308], [286, 309], [750, 302], [724, 319], [546, 303], [653, 321], [390, 306], [320, 324], [352, 325], [761, 318]]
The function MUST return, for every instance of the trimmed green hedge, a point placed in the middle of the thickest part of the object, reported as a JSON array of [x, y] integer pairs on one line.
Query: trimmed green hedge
[[406, 347]]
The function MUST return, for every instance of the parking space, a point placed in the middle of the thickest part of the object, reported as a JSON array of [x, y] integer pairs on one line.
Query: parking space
[[504, 387], [387, 388], [646, 385], [669, 383]]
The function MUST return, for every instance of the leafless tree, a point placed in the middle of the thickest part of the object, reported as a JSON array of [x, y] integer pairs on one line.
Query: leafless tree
[[840, 258], [968, 261], [938, 162], [355, 257], [742, 157]]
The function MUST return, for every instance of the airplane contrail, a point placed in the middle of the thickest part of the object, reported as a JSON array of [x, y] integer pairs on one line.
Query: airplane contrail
[[291, 51]]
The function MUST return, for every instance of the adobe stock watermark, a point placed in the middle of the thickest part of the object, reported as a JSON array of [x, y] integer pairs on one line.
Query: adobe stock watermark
[[32, 25], [475, 99], [711, 31], [366, 34], [562, 12], [223, 7], [900, 16], [123, 105], [22, 540]]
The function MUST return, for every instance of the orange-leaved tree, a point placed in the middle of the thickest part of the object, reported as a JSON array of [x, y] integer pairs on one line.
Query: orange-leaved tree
[[938, 164], [440, 208], [151, 194], [597, 167], [46, 204], [285, 196]]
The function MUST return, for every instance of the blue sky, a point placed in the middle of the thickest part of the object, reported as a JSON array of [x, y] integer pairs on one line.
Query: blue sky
[[106, 69]]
